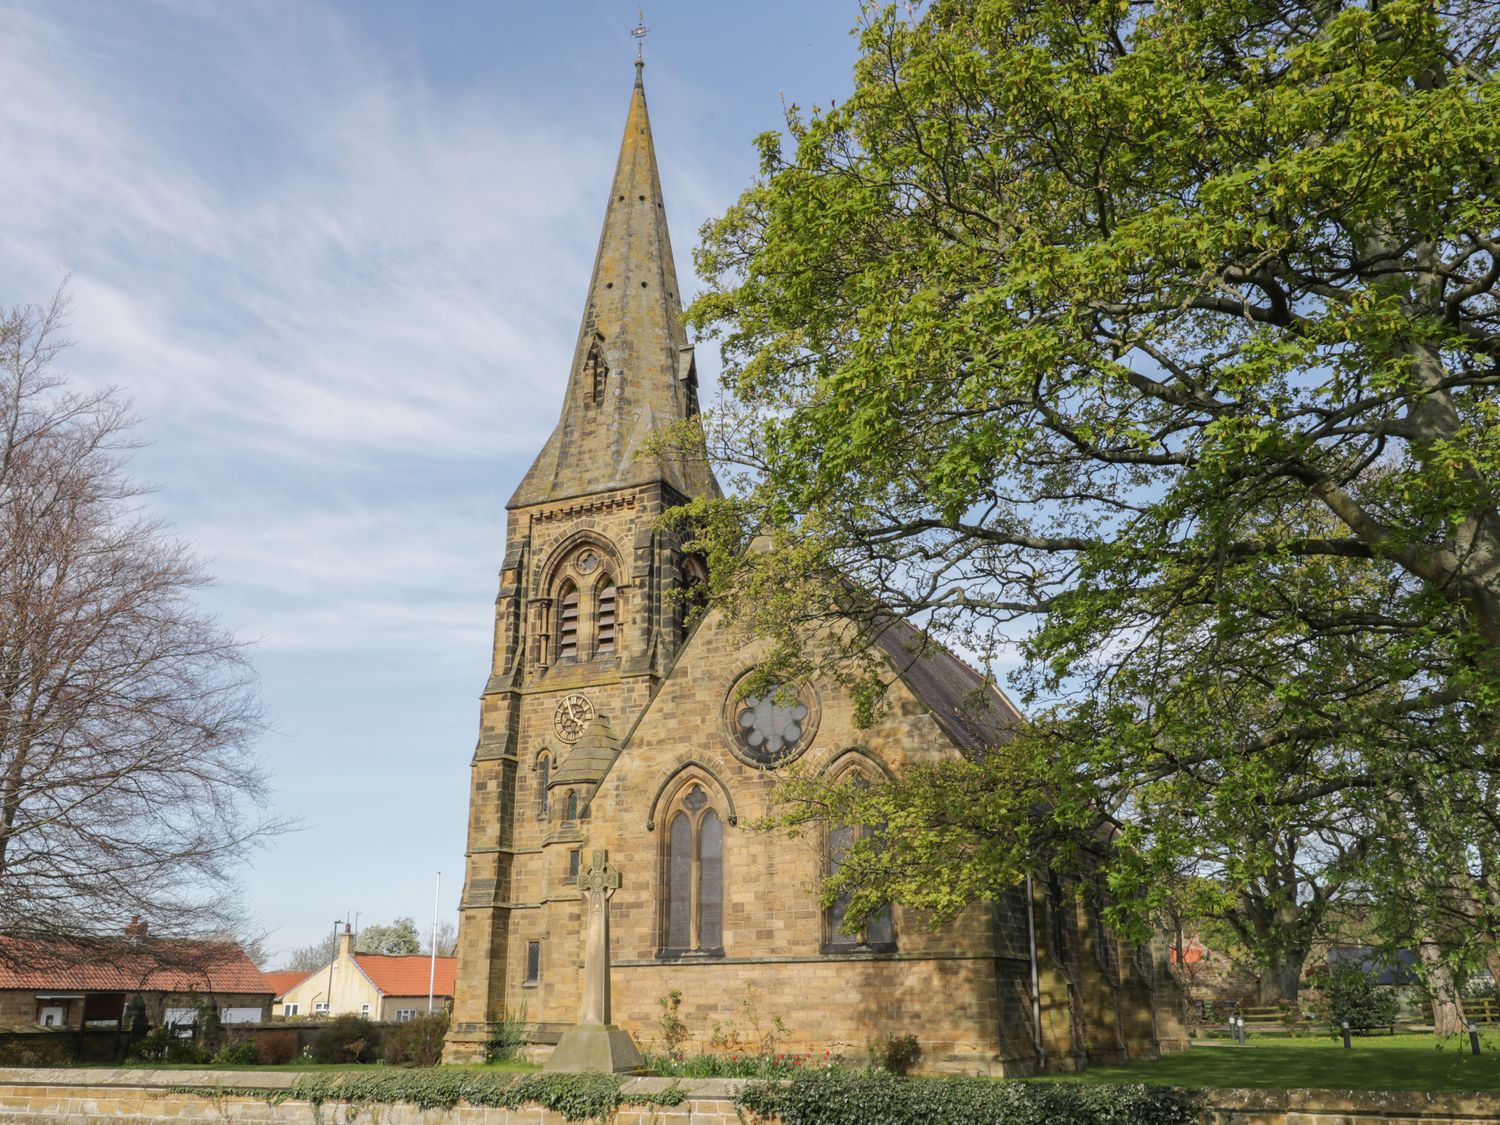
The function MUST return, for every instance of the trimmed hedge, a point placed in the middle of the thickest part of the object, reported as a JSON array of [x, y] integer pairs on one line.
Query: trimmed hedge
[[859, 1097], [577, 1097]]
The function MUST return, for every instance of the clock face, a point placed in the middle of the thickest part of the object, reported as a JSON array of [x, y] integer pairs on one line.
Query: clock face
[[572, 717]]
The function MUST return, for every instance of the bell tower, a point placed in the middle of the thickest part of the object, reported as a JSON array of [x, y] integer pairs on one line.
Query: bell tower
[[585, 621]]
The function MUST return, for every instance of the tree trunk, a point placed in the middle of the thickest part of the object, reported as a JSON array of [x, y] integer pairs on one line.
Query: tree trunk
[[1280, 980], [1447, 1007]]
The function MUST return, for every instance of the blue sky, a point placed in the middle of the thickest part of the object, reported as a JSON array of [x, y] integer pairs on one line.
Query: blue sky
[[336, 253]]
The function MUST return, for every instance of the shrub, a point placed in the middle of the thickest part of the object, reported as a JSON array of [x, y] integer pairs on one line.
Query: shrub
[[506, 1037], [237, 1050], [418, 1042], [1352, 994], [276, 1048], [895, 1053], [164, 1045], [674, 1033], [856, 1097], [345, 1039]]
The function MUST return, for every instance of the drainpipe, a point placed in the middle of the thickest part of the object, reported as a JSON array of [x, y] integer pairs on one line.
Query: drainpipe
[[1036, 988]]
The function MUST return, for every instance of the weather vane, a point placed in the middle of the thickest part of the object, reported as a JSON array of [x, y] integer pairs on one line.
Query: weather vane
[[638, 32]]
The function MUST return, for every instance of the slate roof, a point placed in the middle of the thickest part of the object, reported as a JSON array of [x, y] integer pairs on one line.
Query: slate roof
[[153, 965], [974, 714], [407, 974], [283, 980]]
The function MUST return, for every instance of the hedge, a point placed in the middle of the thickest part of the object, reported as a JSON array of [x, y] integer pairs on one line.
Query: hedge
[[858, 1097], [577, 1097]]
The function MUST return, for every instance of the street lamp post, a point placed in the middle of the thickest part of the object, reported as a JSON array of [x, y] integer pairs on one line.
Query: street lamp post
[[328, 1005]]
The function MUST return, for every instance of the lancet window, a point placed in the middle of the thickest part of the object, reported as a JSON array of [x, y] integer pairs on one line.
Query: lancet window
[[544, 774], [878, 932], [693, 883]]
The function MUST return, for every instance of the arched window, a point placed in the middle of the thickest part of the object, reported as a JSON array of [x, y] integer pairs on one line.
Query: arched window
[[544, 774], [567, 623], [878, 933], [693, 915], [571, 812], [604, 618], [694, 594]]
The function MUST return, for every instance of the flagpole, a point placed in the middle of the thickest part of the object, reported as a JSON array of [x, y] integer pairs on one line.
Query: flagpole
[[437, 895]]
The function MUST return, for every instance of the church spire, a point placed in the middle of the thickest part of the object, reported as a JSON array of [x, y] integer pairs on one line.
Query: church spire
[[632, 372]]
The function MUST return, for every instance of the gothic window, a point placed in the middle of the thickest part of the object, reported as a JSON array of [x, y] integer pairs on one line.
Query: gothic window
[[544, 774], [878, 933], [694, 882], [571, 812], [604, 618], [567, 623], [533, 962]]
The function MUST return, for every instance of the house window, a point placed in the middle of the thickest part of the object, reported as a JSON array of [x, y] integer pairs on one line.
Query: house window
[[574, 859], [320, 1008], [545, 768], [405, 1015], [289, 1009], [567, 624], [533, 962], [694, 878], [604, 617], [364, 1010]]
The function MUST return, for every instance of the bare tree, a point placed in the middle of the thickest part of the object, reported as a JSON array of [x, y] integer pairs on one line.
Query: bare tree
[[307, 958], [128, 786], [447, 939]]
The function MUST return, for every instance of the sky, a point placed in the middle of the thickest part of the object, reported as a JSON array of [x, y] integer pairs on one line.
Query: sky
[[336, 255]]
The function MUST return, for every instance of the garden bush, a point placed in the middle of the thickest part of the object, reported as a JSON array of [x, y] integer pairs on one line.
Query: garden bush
[[237, 1050], [857, 1097], [896, 1053], [276, 1048], [1351, 994], [345, 1039], [163, 1044], [418, 1042]]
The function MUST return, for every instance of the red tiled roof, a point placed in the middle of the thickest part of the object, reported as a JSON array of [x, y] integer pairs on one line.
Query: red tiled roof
[[118, 965], [407, 975], [283, 980]]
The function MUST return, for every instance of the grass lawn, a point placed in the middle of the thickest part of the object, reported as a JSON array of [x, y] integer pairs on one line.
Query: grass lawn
[[1379, 1062]]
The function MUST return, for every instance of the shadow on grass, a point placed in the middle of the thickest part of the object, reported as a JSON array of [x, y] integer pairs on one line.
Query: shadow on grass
[[1422, 1063]]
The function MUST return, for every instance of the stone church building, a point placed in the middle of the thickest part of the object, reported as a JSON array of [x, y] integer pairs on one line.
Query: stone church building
[[606, 723]]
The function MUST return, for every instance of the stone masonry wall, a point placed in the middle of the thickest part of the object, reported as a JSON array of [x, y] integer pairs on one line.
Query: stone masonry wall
[[46, 1097]]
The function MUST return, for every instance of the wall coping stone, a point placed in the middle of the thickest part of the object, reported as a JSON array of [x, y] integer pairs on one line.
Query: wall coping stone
[[1476, 1106]]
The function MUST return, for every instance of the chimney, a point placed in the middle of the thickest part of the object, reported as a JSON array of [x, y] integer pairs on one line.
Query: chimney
[[346, 944], [136, 930]]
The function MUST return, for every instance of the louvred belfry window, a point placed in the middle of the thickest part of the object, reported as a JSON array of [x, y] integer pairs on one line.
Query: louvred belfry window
[[567, 625], [606, 618]]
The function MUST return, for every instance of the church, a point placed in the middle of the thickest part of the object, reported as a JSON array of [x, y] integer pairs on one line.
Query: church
[[611, 721]]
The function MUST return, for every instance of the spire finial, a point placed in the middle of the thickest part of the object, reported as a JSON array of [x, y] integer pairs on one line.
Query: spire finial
[[638, 33]]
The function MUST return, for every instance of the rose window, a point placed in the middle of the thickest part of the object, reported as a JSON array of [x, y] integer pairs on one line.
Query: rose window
[[769, 726]]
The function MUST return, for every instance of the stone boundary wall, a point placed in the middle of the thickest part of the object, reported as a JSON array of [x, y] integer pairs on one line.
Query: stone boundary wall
[[145, 1097]]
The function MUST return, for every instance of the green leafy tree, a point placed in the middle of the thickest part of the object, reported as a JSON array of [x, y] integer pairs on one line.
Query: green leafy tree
[[1163, 336]]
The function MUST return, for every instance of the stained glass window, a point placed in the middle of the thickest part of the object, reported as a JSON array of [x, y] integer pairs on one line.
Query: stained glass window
[[710, 882], [680, 884]]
